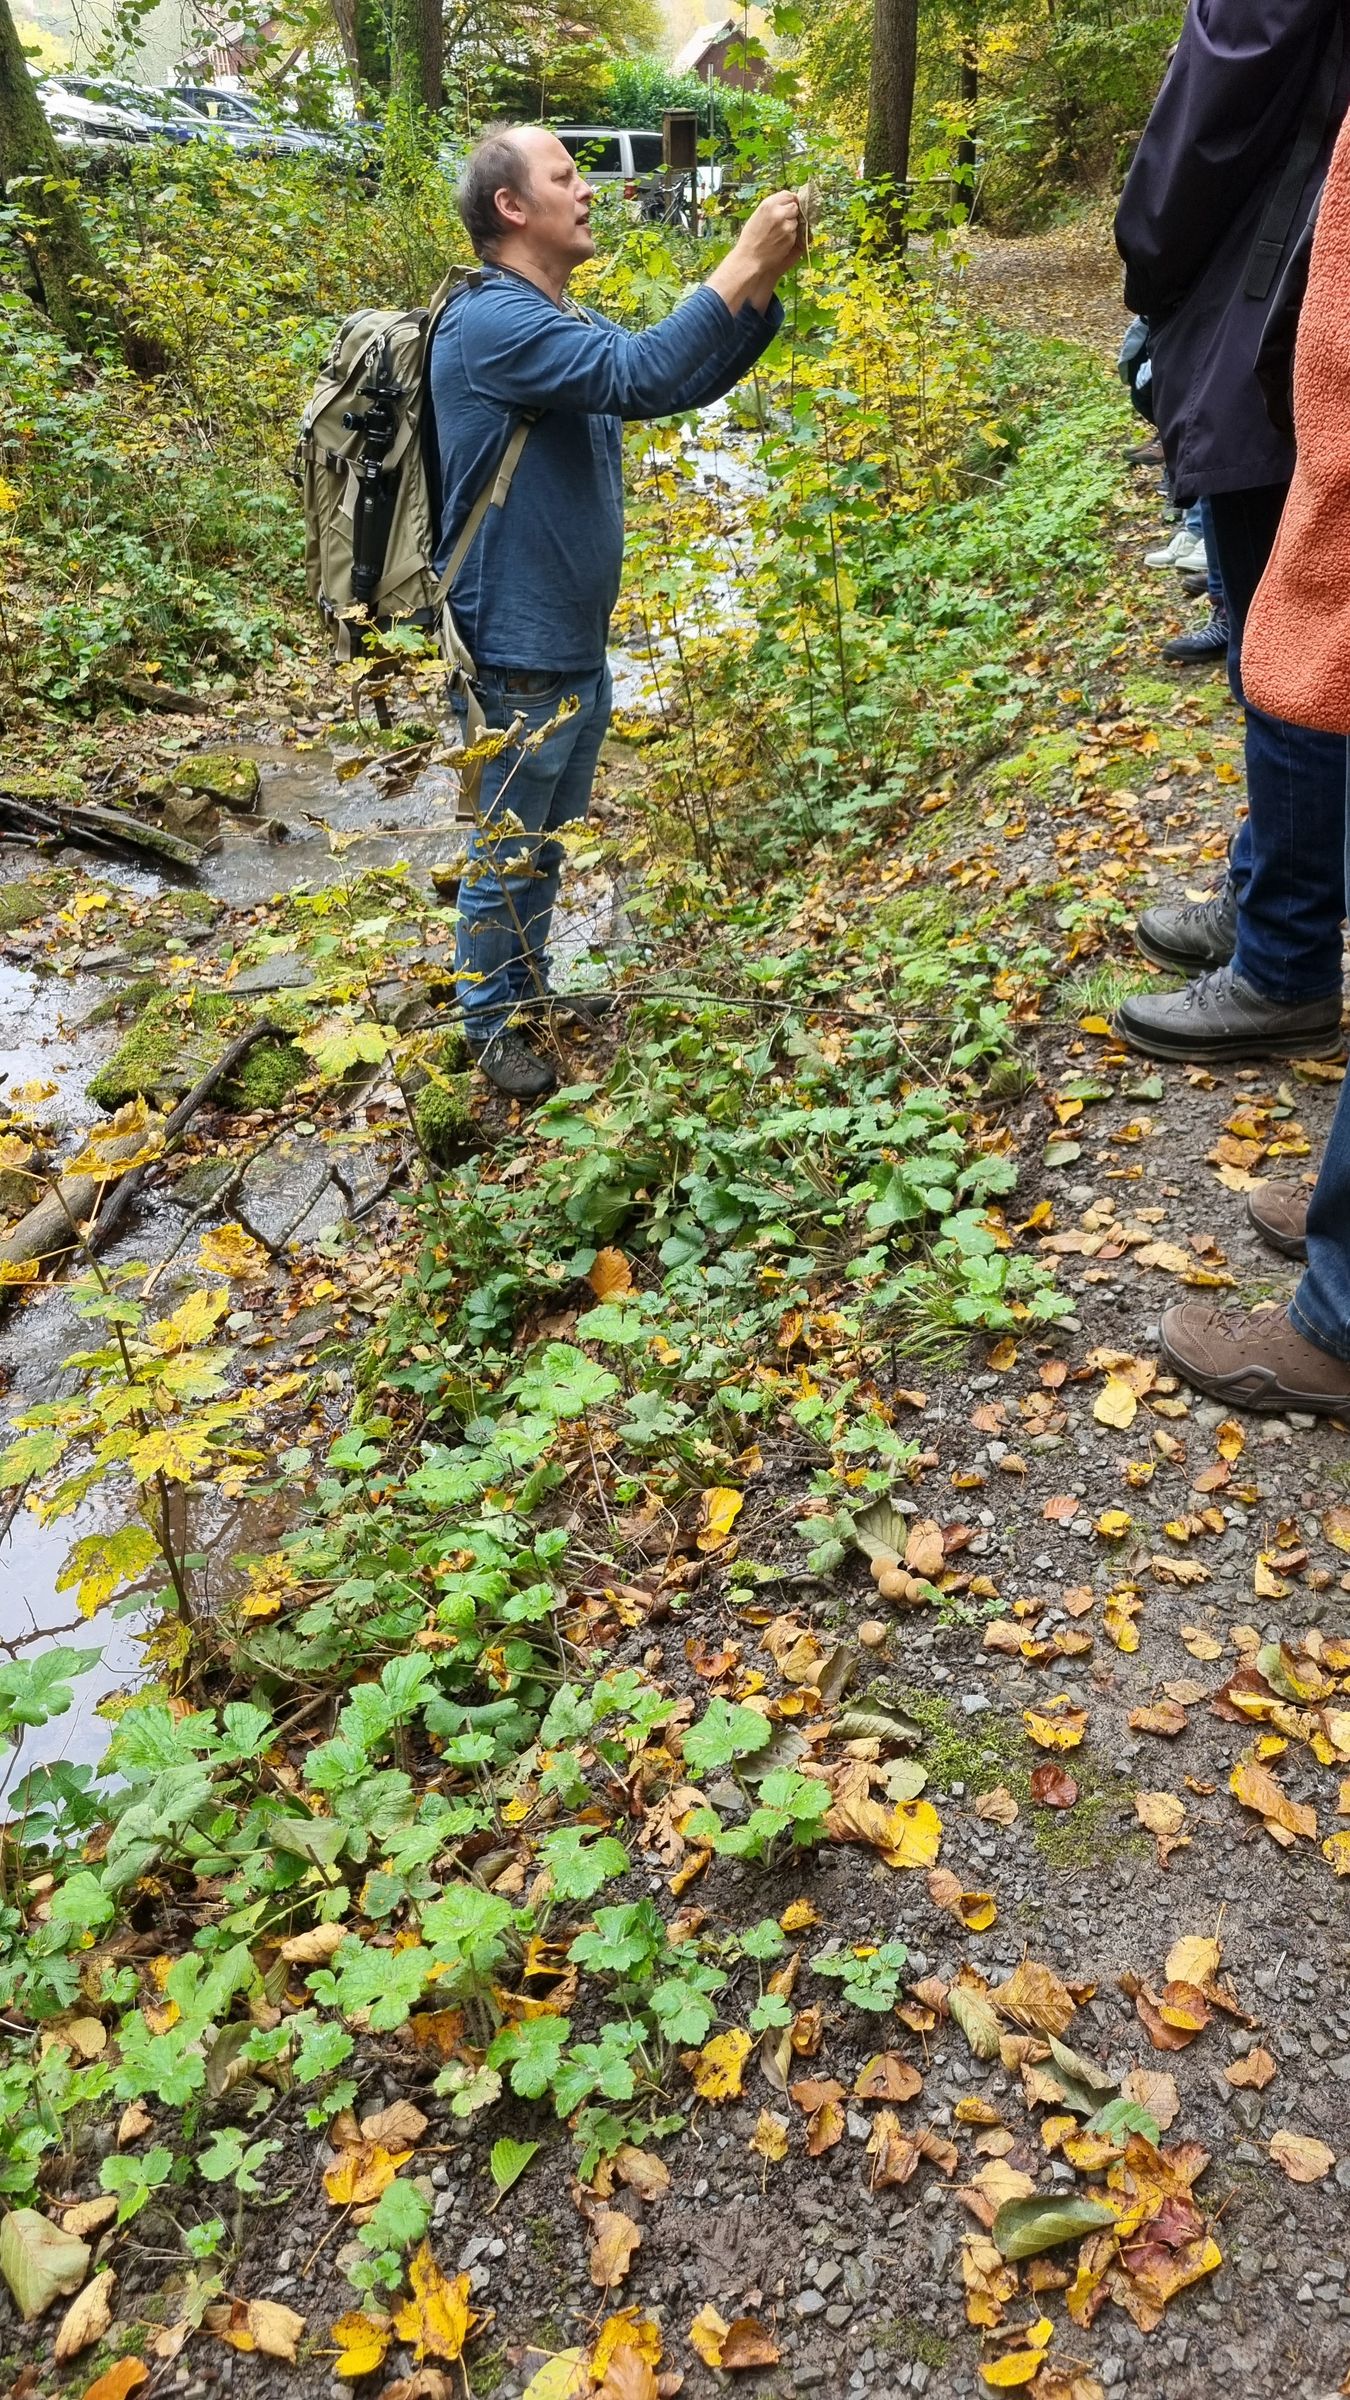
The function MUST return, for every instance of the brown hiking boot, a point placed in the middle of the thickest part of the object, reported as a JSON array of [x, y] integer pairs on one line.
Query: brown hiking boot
[[1254, 1361], [1279, 1211]]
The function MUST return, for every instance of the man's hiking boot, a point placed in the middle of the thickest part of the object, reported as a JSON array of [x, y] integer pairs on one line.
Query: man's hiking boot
[[1218, 1017], [1192, 935], [1279, 1211], [1201, 648], [513, 1066], [1254, 1361]]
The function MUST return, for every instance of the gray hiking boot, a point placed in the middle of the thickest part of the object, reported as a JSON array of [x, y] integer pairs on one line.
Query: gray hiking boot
[[513, 1066], [1258, 1361], [1279, 1211], [1219, 1017], [1194, 935]]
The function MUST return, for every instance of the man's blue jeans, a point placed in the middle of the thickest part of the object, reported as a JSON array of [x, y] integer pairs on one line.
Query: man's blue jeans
[[1287, 860], [507, 897], [1320, 1308]]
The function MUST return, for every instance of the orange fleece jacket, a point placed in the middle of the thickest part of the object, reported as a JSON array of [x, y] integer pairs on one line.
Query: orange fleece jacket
[[1296, 649]]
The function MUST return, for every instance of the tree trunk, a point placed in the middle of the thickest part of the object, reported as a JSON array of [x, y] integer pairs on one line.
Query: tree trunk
[[890, 106], [71, 284], [416, 62], [363, 49], [970, 104]]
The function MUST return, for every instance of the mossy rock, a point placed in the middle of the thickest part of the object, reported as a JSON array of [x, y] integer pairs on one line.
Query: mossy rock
[[42, 783], [220, 775], [443, 1120], [24, 902], [126, 1000], [168, 1049]]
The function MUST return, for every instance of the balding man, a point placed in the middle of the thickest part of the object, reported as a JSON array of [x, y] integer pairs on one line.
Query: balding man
[[535, 594]]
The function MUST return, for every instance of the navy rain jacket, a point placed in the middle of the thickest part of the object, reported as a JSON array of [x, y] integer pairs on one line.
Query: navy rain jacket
[[1222, 129]]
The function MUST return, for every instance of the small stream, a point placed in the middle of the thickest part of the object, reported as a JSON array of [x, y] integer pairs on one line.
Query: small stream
[[50, 987]]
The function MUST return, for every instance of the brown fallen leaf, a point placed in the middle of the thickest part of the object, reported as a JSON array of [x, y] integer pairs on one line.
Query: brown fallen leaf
[[748, 2344], [311, 1949], [89, 2216], [1166, 1717], [1034, 1998], [888, 2076], [261, 2325], [1303, 2159], [86, 2320], [616, 2239], [642, 2171], [428, 2383], [733, 2348], [1156, 2092], [896, 2152], [1253, 2072], [399, 2127], [997, 1807], [133, 2124], [1052, 1786], [610, 1274]]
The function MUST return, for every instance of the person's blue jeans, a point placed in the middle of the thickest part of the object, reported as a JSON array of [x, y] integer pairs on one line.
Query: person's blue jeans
[[1320, 1308], [1200, 520], [1287, 859], [507, 895]]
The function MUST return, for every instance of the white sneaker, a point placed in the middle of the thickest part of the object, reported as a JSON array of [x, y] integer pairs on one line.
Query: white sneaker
[[1185, 552]]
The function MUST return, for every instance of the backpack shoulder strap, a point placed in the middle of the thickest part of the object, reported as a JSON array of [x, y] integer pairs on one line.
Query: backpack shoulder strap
[[1282, 206], [493, 495]]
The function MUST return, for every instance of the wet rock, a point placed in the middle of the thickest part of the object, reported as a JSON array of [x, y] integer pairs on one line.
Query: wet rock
[[327, 1210], [280, 1189], [283, 971]]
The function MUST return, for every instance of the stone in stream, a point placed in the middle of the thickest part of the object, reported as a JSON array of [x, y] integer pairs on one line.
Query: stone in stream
[[283, 971], [223, 776], [281, 1189]]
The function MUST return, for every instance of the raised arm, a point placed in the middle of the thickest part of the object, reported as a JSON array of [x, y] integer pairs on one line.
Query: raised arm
[[535, 358]]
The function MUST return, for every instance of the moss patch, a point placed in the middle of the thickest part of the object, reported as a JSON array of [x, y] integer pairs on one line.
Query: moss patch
[[126, 1001], [22, 903], [443, 1120], [267, 1077], [172, 1043], [982, 1751]]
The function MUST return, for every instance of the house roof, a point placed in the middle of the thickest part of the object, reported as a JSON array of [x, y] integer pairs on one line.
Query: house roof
[[700, 43]]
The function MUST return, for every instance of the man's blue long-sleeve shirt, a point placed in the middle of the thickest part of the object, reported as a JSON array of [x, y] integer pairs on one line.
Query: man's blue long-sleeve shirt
[[539, 585]]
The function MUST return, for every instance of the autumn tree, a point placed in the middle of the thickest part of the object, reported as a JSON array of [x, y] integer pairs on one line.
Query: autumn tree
[[70, 283], [890, 104]]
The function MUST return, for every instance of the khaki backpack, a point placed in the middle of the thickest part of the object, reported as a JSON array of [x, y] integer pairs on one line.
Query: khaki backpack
[[362, 467]]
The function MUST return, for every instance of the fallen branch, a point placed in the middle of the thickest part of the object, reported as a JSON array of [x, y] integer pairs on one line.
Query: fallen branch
[[112, 1215], [84, 1210], [103, 829]]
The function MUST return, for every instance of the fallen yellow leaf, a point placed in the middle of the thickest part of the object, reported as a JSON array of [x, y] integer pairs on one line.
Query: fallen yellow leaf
[[438, 2319], [718, 2067], [721, 1507]]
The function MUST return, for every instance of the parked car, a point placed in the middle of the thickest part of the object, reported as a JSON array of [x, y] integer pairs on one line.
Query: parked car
[[156, 115], [80, 125], [244, 123], [617, 158]]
